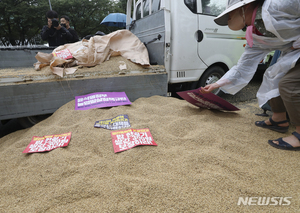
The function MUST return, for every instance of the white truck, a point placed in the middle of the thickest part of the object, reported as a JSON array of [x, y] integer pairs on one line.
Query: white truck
[[182, 36], [189, 49]]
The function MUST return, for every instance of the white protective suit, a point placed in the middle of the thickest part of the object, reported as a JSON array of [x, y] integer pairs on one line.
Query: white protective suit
[[282, 18]]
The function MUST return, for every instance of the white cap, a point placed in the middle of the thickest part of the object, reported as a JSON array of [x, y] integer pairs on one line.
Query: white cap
[[222, 19]]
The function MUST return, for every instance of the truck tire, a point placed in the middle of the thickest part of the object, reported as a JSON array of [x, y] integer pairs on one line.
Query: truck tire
[[212, 75], [30, 121]]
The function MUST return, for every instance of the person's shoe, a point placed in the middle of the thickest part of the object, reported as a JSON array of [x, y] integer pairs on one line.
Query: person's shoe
[[274, 125], [284, 145]]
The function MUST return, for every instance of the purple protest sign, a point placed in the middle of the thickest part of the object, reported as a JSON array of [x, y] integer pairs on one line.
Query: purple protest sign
[[100, 100], [208, 101]]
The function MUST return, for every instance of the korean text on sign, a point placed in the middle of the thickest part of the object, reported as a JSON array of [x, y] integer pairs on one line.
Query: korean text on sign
[[64, 54], [100, 100], [48, 143], [119, 122], [127, 139]]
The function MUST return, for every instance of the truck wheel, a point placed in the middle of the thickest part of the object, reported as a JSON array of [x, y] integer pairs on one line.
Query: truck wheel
[[30, 121], [212, 75]]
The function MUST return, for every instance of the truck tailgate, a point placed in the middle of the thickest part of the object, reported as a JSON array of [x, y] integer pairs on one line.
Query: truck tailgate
[[26, 92], [151, 31]]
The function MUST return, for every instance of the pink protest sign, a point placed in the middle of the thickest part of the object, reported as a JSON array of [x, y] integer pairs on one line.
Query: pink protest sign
[[209, 100], [64, 54], [127, 139], [100, 100], [48, 143]]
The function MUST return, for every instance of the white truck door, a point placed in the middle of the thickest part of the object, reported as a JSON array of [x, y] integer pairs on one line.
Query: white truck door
[[217, 44], [149, 26], [152, 25]]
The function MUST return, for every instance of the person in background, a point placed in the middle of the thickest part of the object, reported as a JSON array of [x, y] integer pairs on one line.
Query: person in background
[[54, 33], [271, 25], [65, 22]]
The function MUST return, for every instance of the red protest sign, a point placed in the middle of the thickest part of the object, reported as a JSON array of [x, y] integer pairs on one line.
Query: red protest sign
[[208, 101], [126, 139], [48, 143]]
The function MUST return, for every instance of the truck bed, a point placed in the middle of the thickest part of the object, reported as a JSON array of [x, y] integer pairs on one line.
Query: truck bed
[[27, 92]]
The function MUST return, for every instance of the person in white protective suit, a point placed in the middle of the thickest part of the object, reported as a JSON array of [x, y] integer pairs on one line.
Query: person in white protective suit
[[271, 25]]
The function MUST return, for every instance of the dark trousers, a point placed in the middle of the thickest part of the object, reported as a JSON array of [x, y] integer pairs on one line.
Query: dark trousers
[[289, 99]]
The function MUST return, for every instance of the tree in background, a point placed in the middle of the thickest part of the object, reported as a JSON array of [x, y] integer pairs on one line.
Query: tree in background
[[22, 20], [122, 5]]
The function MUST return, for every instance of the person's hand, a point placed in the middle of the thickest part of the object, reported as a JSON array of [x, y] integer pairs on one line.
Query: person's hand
[[49, 23], [209, 88], [58, 27]]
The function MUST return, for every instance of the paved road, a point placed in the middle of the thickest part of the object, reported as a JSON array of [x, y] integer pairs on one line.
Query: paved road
[[9, 127], [247, 93]]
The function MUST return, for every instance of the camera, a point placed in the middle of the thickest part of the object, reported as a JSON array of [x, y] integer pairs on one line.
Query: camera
[[63, 25], [54, 23]]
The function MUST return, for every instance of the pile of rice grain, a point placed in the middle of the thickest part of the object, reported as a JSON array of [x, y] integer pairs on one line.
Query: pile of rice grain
[[205, 160]]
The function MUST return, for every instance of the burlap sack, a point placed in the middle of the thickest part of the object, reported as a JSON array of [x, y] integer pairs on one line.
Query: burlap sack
[[94, 51]]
